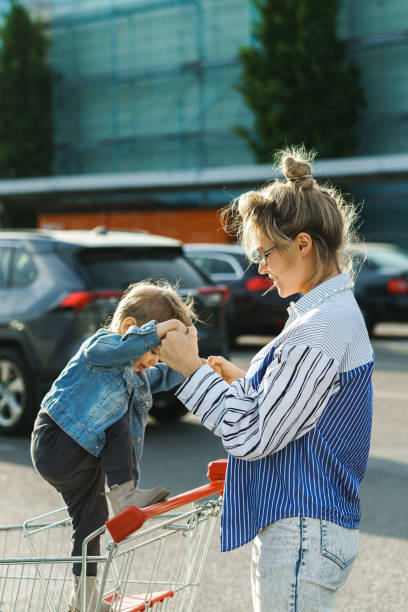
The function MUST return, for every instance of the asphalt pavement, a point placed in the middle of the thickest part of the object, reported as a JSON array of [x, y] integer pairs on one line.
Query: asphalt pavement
[[176, 456]]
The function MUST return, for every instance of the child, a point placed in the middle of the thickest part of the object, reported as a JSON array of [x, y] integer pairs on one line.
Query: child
[[92, 421]]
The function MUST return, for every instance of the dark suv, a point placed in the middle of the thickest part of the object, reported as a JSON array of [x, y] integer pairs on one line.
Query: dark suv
[[59, 287]]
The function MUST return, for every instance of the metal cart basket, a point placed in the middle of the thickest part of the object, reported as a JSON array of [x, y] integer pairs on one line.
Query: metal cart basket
[[152, 556]]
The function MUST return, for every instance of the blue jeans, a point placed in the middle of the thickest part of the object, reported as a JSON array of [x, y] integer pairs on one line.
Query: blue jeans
[[299, 564]]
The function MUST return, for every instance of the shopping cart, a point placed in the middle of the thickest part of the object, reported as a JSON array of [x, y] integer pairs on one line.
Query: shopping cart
[[152, 556]]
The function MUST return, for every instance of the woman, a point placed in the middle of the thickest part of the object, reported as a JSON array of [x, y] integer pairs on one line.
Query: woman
[[297, 424]]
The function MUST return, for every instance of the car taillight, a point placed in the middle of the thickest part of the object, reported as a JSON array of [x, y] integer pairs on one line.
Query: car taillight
[[214, 296], [398, 286], [78, 299], [259, 283]]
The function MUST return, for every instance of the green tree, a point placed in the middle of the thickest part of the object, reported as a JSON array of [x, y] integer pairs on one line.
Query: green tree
[[25, 96], [297, 80]]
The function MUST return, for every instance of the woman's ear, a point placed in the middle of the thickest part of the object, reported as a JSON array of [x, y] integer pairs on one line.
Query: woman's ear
[[126, 323], [304, 244]]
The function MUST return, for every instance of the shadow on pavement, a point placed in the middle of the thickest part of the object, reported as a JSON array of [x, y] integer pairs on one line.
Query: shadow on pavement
[[177, 455]]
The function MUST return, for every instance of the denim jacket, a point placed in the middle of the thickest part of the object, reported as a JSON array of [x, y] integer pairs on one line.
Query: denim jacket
[[98, 386]]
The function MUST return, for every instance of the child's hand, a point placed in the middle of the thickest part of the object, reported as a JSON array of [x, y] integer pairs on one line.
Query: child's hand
[[226, 369], [171, 325]]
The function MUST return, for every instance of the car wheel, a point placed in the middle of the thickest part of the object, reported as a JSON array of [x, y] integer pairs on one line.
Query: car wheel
[[16, 393]]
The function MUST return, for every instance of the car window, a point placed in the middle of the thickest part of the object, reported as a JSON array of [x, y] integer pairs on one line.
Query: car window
[[5, 257], [108, 268], [23, 270], [213, 265]]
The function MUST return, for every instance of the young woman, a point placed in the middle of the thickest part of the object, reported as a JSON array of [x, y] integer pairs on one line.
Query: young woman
[[297, 424]]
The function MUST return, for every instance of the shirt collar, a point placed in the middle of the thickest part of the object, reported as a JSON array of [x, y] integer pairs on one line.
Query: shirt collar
[[319, 294]]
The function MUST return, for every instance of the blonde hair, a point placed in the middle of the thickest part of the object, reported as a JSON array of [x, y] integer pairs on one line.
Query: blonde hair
[[282, 209], [149, 300]]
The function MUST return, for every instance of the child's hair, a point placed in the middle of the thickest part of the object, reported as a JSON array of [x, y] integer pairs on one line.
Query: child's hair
[[284, 208], [148, 300]]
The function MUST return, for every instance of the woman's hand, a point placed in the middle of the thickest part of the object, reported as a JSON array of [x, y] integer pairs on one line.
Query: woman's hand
[[172, 324], [180, 351], [225, 368]]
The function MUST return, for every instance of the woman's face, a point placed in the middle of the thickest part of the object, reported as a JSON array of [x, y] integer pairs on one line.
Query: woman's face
[[289, 271]]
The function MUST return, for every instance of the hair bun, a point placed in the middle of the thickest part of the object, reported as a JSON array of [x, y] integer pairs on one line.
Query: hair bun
[[298, 172]]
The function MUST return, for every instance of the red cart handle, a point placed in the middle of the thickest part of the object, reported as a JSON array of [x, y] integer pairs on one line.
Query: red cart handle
[[131, 519]]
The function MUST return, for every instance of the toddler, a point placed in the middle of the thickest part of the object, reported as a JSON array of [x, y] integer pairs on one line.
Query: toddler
[[91, 423]]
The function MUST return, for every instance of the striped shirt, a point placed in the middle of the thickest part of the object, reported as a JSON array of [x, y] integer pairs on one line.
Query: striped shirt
[[297, 426]]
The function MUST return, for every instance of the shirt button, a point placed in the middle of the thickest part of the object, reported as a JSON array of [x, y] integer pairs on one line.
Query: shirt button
[[147, 403], [138, 439]]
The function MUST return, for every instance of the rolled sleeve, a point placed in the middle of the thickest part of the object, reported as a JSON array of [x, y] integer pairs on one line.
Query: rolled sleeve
[[257, 422], [201, 390]]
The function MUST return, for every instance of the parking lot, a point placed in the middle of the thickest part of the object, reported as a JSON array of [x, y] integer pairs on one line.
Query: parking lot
[[176, 455]]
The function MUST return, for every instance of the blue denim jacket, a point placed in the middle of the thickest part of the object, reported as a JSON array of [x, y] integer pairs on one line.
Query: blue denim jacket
[[98, 386]]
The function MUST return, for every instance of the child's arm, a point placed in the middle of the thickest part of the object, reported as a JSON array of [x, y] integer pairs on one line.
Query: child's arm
[[163, 378], [112, 349]]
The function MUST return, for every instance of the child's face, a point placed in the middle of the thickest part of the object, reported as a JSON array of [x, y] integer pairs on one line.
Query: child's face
[[147, 360]]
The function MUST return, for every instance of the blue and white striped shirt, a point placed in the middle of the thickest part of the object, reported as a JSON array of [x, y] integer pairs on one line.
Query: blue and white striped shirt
[[297, 426]]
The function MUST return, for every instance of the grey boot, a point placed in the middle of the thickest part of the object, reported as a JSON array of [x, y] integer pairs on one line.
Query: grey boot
[[91, 596], [126, 494]]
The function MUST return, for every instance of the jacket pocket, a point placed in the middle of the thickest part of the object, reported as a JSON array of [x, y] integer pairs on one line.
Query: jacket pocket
[[340, 544]]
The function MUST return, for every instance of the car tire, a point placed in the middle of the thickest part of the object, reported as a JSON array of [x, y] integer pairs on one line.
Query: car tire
[[17, 393]]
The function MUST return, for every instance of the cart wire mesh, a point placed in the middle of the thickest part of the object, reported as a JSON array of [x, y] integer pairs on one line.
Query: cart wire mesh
[[151, 556]]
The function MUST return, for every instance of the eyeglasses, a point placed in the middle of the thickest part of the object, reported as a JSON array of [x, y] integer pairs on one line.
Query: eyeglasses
[[261, 258]]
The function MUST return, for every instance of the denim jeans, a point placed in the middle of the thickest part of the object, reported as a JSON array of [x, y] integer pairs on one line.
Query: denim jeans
[[299, 564]]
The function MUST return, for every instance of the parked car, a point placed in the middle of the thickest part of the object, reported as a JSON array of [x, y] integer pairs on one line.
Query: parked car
[[249, 310], [59, 287], [381, 286]]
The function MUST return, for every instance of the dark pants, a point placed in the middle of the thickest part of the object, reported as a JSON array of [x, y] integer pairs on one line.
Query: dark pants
[[80, 476]]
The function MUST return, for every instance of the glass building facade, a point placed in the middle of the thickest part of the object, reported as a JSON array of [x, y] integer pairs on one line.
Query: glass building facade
[[377, 38], [150, 84], [147, 84]]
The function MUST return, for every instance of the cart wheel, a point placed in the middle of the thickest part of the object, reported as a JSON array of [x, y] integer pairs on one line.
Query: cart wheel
[[16, 393]]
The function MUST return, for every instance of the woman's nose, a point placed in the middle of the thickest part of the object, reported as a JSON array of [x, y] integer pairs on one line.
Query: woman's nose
[[262, 269]]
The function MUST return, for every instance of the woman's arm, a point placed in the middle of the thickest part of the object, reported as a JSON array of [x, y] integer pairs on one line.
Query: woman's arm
[[180, 351], [254, 423]]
